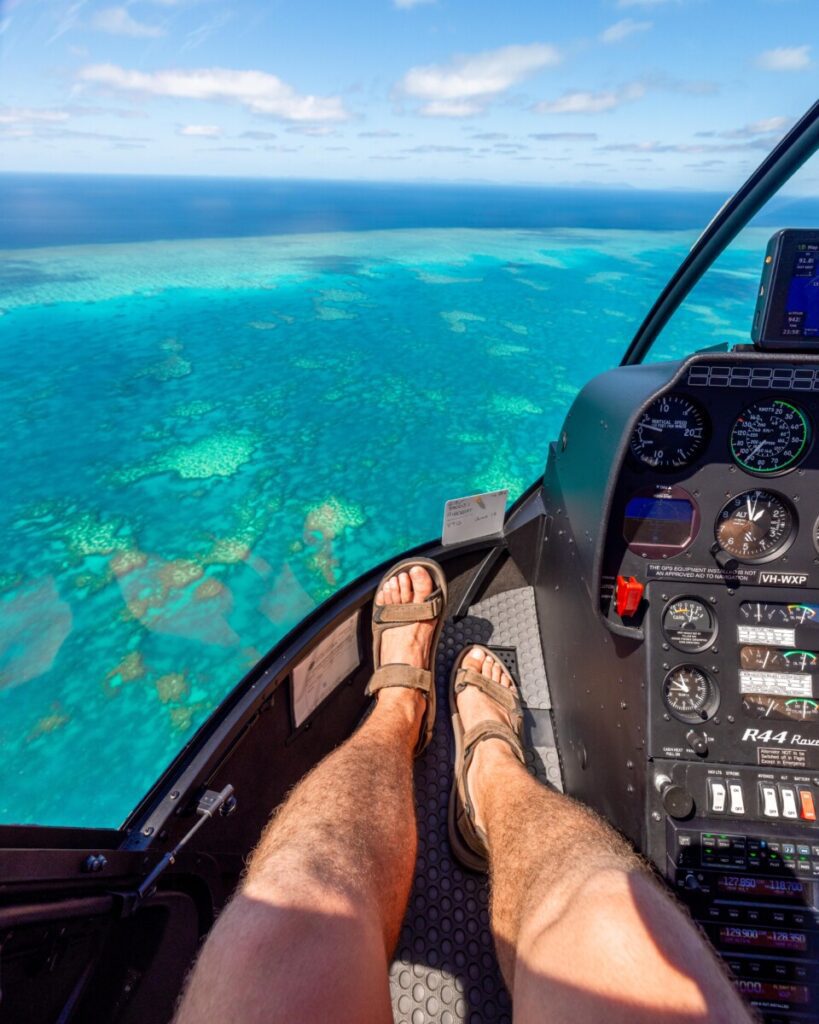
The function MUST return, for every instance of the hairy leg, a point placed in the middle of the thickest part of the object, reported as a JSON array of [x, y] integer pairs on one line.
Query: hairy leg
[[582, 929], [309, 935]]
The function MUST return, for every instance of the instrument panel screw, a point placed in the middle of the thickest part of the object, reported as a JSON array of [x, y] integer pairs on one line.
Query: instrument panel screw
[[148, 830], [629, 764], [656, 816], [713, 600], [623, 705], [174, 795], [629, 788], [666, 647], [731, 718], [666, 666]]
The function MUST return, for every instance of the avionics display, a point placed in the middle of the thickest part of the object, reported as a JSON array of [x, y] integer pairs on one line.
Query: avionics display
[[755, 888], [787, 309], [764, 938], [660, 521]]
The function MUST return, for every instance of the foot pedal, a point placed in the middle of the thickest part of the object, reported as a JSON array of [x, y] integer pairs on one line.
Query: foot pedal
[[508, 657]]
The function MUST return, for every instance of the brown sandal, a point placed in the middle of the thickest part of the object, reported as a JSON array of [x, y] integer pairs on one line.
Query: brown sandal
[[468, 842], [390, 616]]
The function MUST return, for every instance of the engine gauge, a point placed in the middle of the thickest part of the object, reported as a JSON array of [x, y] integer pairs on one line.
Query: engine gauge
[[689, 624], [690, 694], [759, 658], [771, 436], [670, 434], [756, 525], [769, 705]]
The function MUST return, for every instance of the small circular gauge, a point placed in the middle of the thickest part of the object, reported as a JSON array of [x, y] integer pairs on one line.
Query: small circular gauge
[[689, 625], [770, 437], [755, 525], [690, 694], [670, 434], [816, 535]]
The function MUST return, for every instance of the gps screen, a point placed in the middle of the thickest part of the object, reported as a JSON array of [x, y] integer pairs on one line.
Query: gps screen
[[801, 314]]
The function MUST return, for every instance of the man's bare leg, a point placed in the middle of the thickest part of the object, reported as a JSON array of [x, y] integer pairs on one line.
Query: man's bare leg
[[582, 930], [309, 935]]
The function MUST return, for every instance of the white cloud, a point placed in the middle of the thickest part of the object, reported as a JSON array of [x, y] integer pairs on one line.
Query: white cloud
[[623, 29], [258, 91], [785, 58], [766, 126], [202, 131], [117, 21], [29, 116], [467, 84], [583, 102], [406, 4]]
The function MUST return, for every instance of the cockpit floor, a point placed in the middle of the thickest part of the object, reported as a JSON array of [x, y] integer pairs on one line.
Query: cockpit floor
[[445, 971]]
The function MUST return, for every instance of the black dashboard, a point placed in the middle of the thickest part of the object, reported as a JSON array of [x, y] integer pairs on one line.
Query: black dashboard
[[681, 603]]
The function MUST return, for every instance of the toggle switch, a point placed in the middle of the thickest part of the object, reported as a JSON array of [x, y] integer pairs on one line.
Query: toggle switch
[[807, 811], [718, 795], [770, 806], [737, 798], [788, 802]]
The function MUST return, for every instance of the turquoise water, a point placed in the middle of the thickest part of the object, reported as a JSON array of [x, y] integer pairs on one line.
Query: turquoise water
[[202, 440]]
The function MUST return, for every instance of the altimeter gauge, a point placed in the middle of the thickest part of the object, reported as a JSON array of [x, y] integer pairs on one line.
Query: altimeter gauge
[[690, 694], [755, 525], [770, 437], [670, 434]]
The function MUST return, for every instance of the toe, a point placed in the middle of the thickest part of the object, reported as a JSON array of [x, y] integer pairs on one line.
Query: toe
[[380, 597], [474, 659], [405, 587], [422, 585], [497, 672], [391, 591]]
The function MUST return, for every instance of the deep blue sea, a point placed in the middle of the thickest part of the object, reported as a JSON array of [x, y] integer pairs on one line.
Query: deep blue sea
[[223, 400]]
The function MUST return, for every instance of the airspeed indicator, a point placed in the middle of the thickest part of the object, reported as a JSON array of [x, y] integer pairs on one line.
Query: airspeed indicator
[[770, 437]]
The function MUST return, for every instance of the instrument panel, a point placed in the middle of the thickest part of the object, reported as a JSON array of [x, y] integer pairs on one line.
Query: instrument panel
[[711, 563]]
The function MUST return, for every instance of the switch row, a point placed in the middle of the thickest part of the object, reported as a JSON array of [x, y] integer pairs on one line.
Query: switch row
[[725, 797], [786, 802]]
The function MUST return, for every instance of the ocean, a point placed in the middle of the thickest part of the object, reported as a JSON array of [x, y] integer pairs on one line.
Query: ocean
[[224, 400]]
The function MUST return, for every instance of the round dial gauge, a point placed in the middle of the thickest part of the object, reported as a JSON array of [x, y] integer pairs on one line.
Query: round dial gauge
[[670, 434], [755, 526], [690, 694], [816, 534], [770, 437], [689, 625]]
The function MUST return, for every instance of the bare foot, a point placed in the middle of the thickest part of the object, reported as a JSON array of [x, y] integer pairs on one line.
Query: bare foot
[[473, 707], [406, 645]]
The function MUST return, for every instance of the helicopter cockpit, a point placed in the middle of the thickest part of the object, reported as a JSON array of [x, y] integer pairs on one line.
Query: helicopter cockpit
[[656, 593]]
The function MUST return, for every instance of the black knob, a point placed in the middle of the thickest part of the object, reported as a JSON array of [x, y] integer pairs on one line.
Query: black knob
[[724, 560], [677, 801], [691, 882], [697, 742]]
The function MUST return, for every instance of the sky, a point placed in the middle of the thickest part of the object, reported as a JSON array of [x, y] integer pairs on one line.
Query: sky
[[636, 93]]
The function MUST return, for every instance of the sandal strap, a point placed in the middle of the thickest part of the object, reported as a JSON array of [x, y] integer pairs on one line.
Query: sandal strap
[[423, 611], [400, 675], [508, 699], [489, 729]]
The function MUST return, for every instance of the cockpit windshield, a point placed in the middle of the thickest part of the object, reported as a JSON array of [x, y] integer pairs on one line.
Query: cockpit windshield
[[223, 400]]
